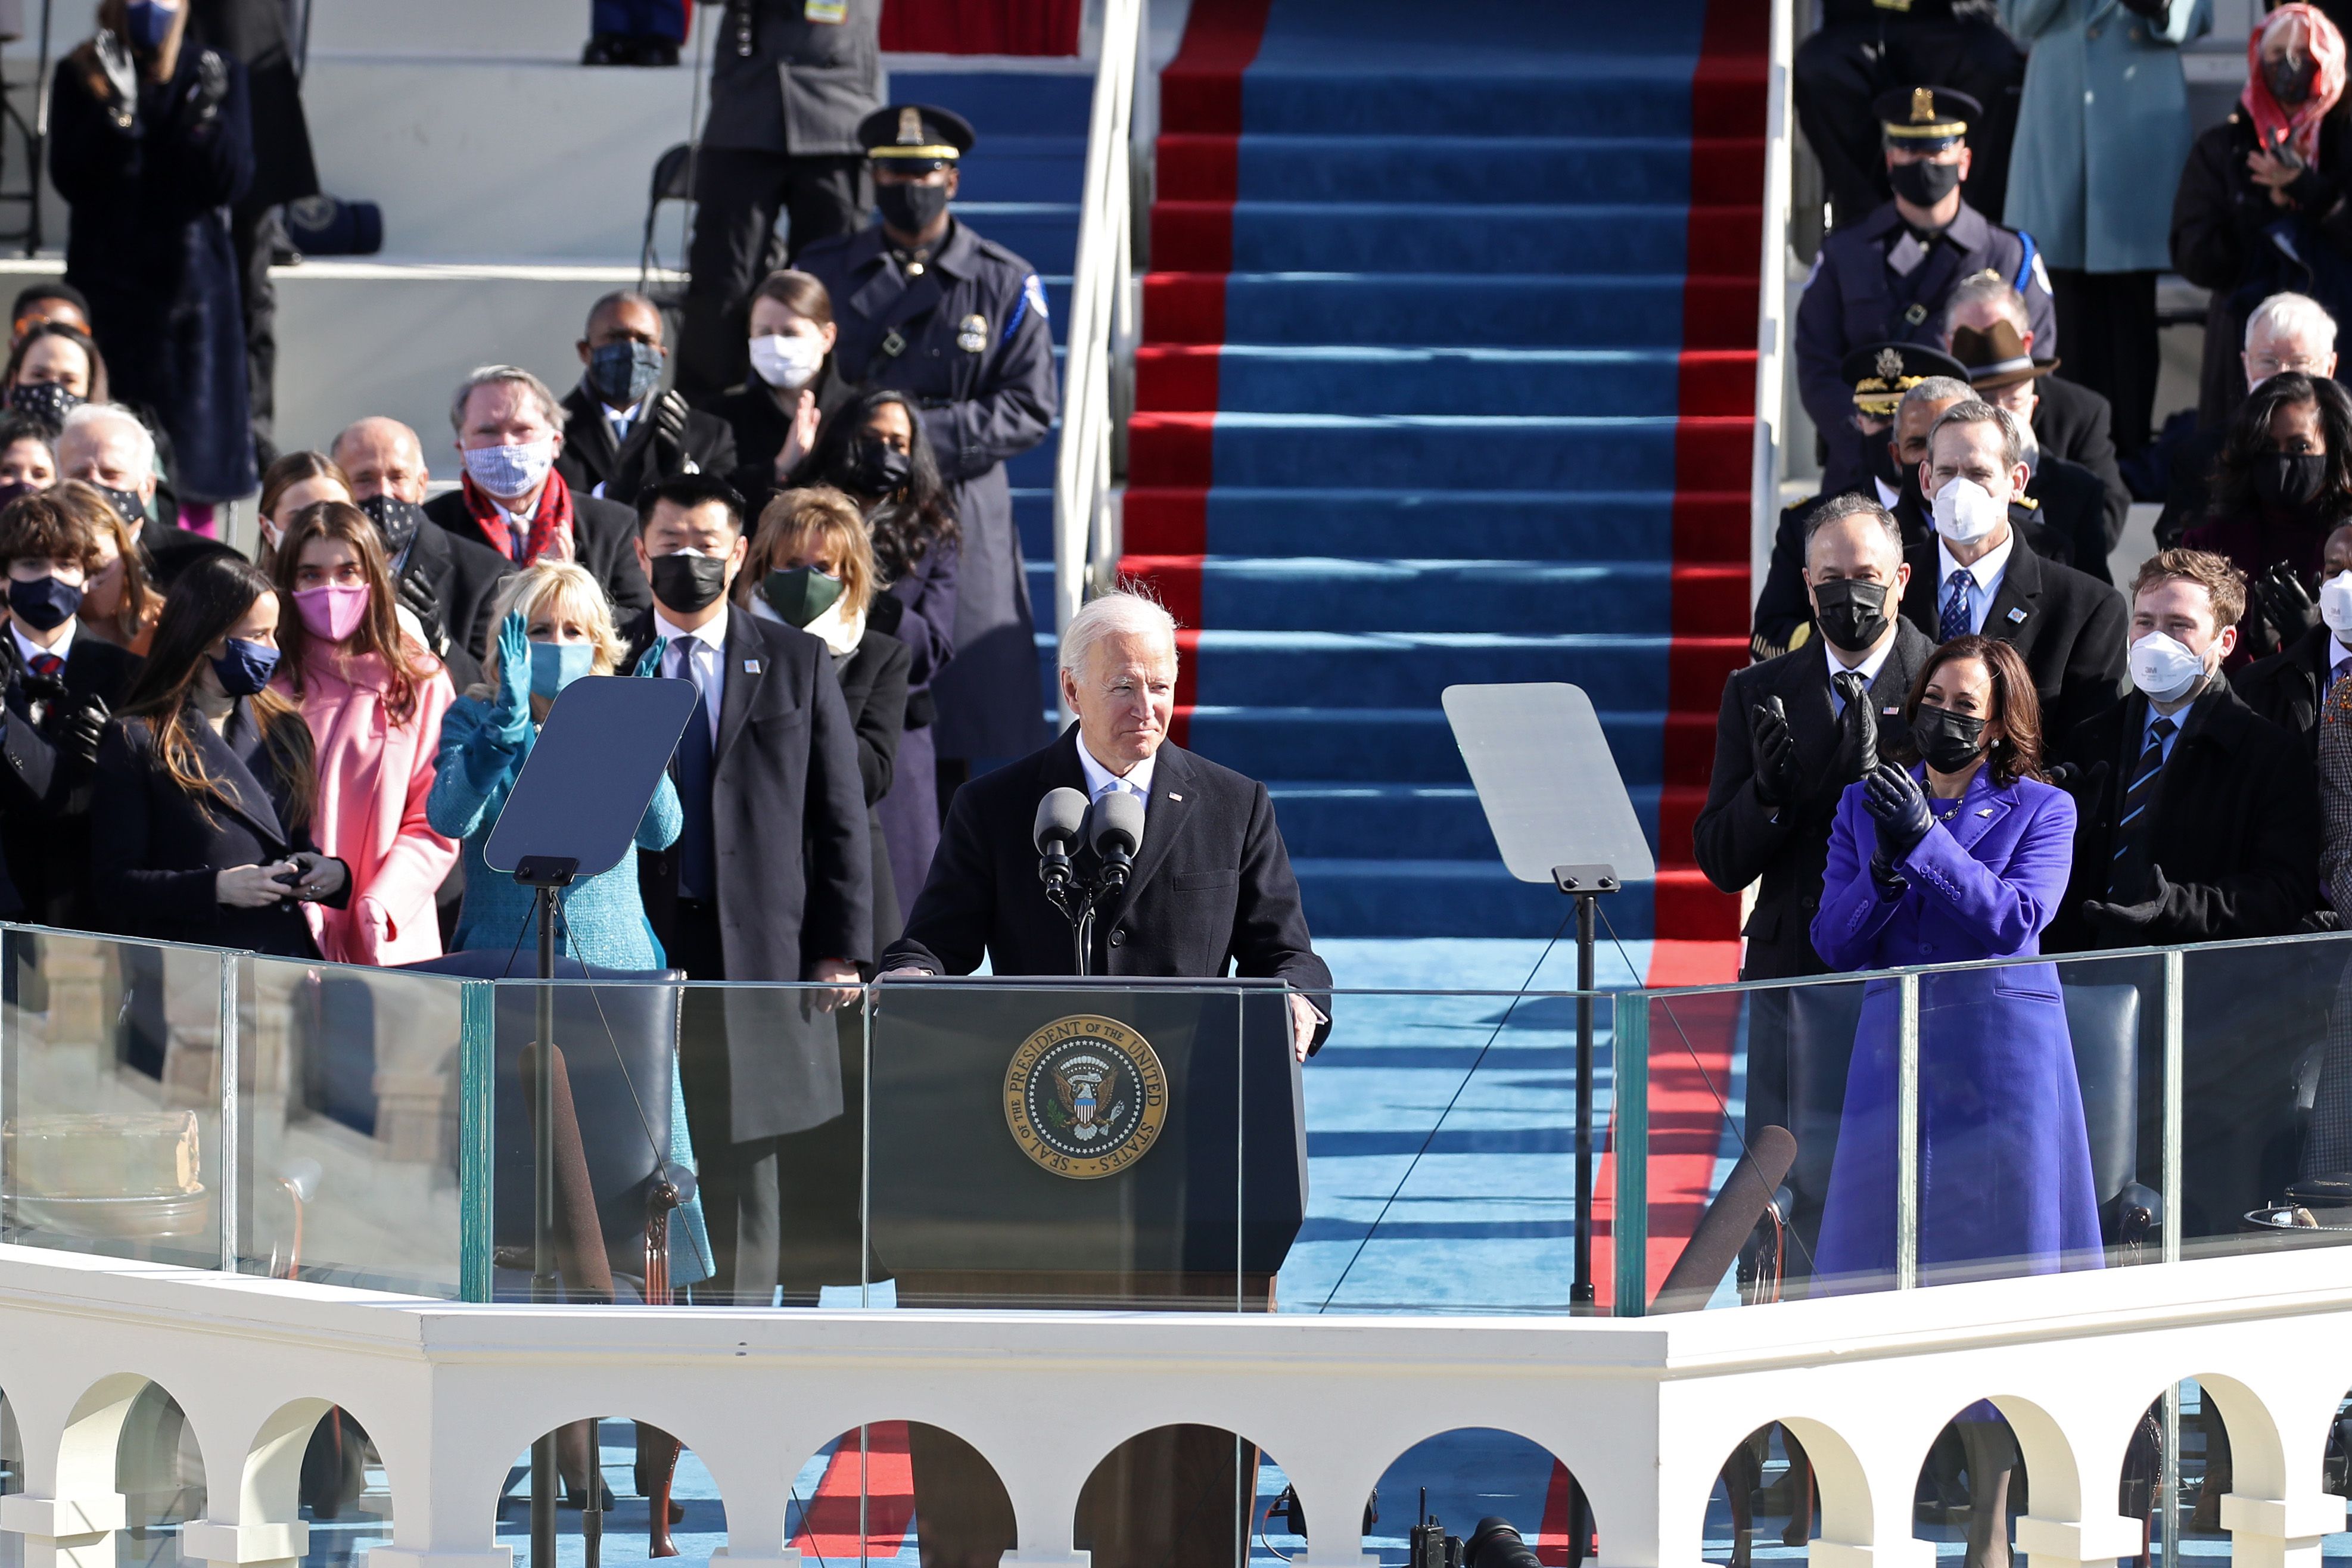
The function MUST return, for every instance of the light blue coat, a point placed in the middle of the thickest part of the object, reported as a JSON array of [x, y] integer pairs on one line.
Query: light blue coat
[[2102, 130]]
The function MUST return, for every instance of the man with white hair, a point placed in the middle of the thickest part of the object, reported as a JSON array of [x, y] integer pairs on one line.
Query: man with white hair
[[105, 446], [2285, 332], [510, 430], [1211, 891], [449, 582]]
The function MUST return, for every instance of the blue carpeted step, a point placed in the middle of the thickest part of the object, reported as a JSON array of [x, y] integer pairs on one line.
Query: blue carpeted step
[[1401, 821], [1445, 897], [1360, 595], [1539, 452], [1044, 234], [1447, 311], [1003, 103], [1473, 524], [1398, 745], [1505, 170], [1591, 96], [1317, 236], [1033, 514], [1034, 469], [1024, 169], [1496, 381], [1400, 670]]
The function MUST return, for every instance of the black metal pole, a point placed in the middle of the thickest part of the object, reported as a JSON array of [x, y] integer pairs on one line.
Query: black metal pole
[[543, 1467], [1083, 929], [1579, 1294]]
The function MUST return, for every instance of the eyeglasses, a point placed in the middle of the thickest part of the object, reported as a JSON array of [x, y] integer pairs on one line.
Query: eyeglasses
[[2267, 365]]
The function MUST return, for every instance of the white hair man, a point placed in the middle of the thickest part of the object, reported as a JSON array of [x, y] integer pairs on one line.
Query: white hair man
[[1211, 891], [2069, 421], [2288, 332], [105, 446], [509, 431]]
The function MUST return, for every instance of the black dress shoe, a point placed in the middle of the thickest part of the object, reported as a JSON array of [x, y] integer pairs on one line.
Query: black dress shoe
[[609, 49], [653, 49]]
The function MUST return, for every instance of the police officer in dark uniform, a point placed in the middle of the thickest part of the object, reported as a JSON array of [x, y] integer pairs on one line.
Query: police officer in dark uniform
[[792, 82], [927, 307], [1866, 47], [1885, 278]]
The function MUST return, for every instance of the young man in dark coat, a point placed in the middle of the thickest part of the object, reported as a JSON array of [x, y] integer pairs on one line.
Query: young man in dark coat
[[770, 878], [509, 433], [60, 687], [2289, 687], [150, 142], [2198, 821], [621, 431]]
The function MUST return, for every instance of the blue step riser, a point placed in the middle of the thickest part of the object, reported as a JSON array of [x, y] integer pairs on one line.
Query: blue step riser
[[1442, 383], [1531, 455], [1401, 824], [1625, 673], [1414, 747], [1460, 525], [1485, 311], [1024, 169], [1502, 171], [1470, 240], [1478, 901], [1639, 98], [1596, 596], [1003, 103]]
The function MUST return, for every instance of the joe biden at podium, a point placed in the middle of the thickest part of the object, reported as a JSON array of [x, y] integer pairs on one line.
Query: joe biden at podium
[[1211, 891]]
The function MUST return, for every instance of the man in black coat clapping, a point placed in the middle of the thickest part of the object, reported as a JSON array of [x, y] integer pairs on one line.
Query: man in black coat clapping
[[621, 431]]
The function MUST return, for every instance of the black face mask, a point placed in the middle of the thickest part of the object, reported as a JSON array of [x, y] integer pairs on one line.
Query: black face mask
[[2290, 79], [44, 604], [689, 582], [1947, 741], [126, 504], [910, 209], [1880, 453], [46, 401], [877, 467], [1924, 185], [2288, 481], [1851, 613], [396, 519]]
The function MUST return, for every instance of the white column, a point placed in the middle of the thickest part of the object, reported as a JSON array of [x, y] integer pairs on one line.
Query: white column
[[2270, 1533], [244, 1545], [66, 1532], [2067, 1543]]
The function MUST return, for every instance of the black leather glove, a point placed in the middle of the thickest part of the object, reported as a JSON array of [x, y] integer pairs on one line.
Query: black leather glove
[[2285, 602], [43, 689], [2128, 925], [84, 726], [212, 86], [1779, 778], [1899, 807], [416, 593], [1858, 743]]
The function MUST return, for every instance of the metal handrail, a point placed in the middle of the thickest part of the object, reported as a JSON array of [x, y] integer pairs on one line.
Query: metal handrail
[[1102, 324], [1771, 457]]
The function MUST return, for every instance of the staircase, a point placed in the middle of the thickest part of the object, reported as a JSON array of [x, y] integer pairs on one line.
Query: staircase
[[1448, 376]]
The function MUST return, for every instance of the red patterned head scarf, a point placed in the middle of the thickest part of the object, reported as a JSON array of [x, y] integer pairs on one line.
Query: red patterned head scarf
[[2324, 45]]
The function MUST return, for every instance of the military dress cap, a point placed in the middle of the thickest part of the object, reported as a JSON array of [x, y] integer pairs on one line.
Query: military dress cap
[[1996, 357], [1880, 373], [1926, 118], [916, 136]]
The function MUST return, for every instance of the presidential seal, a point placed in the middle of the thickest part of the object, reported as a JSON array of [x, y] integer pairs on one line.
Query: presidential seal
[[1085, 1097]]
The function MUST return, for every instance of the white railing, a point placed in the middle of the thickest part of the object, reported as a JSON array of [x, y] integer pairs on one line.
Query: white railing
[[1085, 524], [1772, 307], [1643, 1412]]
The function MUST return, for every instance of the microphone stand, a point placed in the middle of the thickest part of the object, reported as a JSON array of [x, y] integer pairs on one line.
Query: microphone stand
[[1079, 900]]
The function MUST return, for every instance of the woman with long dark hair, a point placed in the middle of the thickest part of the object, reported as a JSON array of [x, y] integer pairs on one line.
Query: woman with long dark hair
[[874, 450], [54, 369], [374, 699], [2282, 485], [295, 480], [199, 814], [118, 604]]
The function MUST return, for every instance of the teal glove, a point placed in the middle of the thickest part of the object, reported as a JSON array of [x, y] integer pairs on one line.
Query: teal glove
[[510, 710], [649, 662]]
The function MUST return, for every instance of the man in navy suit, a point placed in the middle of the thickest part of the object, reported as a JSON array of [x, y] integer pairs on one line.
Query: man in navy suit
[[1211, 891]]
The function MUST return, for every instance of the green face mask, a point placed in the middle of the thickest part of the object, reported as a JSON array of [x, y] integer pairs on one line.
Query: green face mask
[[801, 594]]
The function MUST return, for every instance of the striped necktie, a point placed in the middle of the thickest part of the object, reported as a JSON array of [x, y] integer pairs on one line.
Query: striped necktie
[[2128, 872], [1956, 621]]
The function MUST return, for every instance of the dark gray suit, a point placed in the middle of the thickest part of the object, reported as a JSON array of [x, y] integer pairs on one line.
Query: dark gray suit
[[2071, 629]]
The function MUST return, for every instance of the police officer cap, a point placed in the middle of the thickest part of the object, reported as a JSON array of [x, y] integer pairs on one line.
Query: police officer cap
[[1926, 118], [1880, 373], [915, 135]]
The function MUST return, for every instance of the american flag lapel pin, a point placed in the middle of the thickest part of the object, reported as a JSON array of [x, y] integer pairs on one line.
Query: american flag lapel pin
[[1173, 795]]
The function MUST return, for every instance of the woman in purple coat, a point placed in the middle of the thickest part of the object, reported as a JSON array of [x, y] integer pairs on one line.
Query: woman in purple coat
[[1962, 855]]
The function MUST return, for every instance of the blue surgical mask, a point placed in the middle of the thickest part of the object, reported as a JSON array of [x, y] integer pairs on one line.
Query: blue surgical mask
[[147, 23], [623, 373], [245, 668], [556, 665]]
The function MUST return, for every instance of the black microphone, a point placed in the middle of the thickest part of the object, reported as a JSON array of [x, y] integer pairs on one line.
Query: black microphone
[[1061, 825], [1113, 827]]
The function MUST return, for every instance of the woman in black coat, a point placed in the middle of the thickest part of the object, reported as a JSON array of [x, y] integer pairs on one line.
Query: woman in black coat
[[873, 449], [2261, 208], [150, 142], [812, 566], [200, 815], [792, 389]]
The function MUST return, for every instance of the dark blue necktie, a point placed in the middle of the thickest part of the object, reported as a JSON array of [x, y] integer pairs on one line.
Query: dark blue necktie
[[1956, 618], [697, 859], [2127, 875]]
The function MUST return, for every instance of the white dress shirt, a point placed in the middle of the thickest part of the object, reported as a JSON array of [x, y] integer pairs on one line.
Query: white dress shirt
[[708, 648], [1984, 578], [1101, 781], [26, 649]]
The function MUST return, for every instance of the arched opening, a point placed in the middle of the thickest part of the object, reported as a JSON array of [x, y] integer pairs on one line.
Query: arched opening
[[1971, 1489], [160, 1471], [1766, 1504], [881, 1492], [627, 1491], [2176, 1468], [1186, 1494], [339, 1487], [1452, 1483]]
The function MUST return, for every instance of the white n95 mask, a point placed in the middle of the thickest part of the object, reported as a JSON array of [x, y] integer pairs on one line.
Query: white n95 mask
[[1966, 511], [2164, 669], [2335, 602]]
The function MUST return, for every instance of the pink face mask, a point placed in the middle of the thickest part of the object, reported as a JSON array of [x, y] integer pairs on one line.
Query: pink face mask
[[333, 610]]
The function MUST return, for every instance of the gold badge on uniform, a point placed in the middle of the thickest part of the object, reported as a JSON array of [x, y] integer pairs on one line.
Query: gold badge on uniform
[[1890, 363], [972, 335], [1085, 1097]]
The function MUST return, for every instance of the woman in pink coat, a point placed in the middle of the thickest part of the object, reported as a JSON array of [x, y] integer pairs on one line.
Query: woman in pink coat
[[374, 699]]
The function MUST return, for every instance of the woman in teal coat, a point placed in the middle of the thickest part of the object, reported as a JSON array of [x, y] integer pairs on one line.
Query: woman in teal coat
[[2102, 133]]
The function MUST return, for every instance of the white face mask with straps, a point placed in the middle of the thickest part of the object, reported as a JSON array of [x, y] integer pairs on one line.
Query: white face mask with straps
[[787, 363], [1966, 511], [2336, 605], [2164, 669]]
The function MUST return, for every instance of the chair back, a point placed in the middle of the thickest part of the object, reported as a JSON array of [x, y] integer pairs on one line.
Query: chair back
[[1821, 1021], [2104, 1021]]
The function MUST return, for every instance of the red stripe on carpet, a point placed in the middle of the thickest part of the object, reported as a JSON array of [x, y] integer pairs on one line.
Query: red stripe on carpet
[[1171, 448], [1175, 578], [1185, 307], [1192, 237], [1201, 90], [829, 1524], [1177, 378], [1552, 1540], [1188, 661], [1200, 169], [1171, 522]]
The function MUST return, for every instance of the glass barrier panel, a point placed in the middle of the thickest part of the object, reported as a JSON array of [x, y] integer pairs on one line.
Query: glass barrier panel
[[1081, 1144], [1441, 1137], [350, 1114], [109, 1096], [2264, 1059]]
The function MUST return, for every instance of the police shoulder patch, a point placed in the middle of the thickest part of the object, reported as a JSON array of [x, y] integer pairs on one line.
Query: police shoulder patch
[[1033, 291]]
